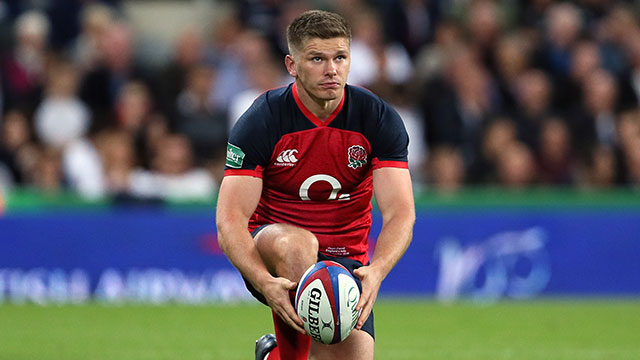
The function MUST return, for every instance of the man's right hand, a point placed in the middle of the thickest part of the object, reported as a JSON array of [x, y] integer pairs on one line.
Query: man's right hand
[[277, 294]]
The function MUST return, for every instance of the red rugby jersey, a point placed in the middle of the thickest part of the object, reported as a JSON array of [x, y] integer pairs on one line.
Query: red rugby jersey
[[317, 175]]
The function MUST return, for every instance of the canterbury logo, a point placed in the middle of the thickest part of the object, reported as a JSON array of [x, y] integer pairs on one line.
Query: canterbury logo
[[287, 158]]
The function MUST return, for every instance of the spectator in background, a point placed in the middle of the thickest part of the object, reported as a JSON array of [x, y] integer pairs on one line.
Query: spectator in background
[[15, 131], [483, 29], [516, 166], [632, 162], [260, 70], [225, 53], [555, 161], [291, 9], [82, 168], [204, 125], [511, 59], [533, 105], [381, 66], [116, 67], [133, 109], [16, 145], [118, 155], [410, 22], [62, 122], [132, 106], [456, 105], [414, 124], [173, 175], [593, 123], [563, 28], [498, 134], [632, 76], [628, 128], [22, 70], [9, 173], [263, 75], [445, 169], [585, 59], [264, 18], [61, 117], [96, 19], [628, 136], [48, 175], [599, 170], [188, 52], [430, 60], [613, 33]]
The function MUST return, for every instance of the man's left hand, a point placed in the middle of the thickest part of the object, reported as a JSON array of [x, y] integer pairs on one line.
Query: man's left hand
[[371, 280]]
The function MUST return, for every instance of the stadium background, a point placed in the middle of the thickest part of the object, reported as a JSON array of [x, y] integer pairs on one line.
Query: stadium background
[[525, 155]]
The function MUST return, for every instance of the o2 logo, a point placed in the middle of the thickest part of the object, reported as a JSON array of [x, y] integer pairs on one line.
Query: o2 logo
[[513, 264], [335, 187]]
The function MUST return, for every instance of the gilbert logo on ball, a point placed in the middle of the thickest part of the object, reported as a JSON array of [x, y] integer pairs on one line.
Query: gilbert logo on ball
[[326, 301]]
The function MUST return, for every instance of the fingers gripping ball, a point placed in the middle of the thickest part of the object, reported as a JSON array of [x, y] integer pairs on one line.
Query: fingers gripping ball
[[326, 300]]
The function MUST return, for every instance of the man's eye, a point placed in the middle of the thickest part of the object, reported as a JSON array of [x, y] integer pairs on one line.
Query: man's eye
[[316, 59], [341, 57]]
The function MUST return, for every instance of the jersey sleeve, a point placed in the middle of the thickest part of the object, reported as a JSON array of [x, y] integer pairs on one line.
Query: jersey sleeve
[[249, 149], [390, 143]]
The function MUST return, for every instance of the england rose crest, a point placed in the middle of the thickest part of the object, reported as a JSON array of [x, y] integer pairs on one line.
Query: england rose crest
[[357, 156]]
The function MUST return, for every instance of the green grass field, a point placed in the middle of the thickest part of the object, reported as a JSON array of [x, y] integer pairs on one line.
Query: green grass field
[[545, 330]]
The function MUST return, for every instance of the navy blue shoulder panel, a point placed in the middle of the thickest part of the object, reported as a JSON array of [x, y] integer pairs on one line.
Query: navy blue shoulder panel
[[248, 132], [368, 114], [272, 115]]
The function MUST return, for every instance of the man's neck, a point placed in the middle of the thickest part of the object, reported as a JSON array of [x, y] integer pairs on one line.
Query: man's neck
[[322, 109]]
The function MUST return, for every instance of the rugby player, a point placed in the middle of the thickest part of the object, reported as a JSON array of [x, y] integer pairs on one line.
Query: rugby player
[[302, 165]]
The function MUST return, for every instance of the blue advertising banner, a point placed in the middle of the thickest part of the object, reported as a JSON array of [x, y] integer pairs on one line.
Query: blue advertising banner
[[157, 256], [147, 255], [520, 254]]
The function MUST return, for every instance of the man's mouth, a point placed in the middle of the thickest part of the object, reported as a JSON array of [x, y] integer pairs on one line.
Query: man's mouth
[[330, 85]]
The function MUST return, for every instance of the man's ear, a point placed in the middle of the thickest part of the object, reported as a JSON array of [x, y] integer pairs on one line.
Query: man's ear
[[289, 62]]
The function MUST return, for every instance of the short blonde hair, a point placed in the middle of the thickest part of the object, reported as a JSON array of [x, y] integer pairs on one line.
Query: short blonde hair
[[316, 24]]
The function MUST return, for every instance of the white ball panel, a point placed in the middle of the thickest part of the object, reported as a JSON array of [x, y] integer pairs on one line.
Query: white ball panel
[[349, 297]]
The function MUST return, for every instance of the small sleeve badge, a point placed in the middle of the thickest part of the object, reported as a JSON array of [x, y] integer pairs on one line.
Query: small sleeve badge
[[235, 156]]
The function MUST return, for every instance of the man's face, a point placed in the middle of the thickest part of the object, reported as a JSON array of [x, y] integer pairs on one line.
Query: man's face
[[321, 67]]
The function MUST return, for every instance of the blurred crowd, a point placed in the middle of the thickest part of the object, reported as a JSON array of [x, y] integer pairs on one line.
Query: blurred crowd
[[501, 93]]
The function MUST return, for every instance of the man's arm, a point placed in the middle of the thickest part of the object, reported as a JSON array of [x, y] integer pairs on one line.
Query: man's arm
[[394, 196], [237, 200]]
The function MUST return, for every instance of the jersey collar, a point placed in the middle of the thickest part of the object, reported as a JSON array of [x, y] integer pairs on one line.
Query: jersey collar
[[314, 119]]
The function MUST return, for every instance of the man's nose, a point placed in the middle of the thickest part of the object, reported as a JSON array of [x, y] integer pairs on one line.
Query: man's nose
[[331, 69]]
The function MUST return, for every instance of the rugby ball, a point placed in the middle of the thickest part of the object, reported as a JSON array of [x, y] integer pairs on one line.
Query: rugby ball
[[326, 300]]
